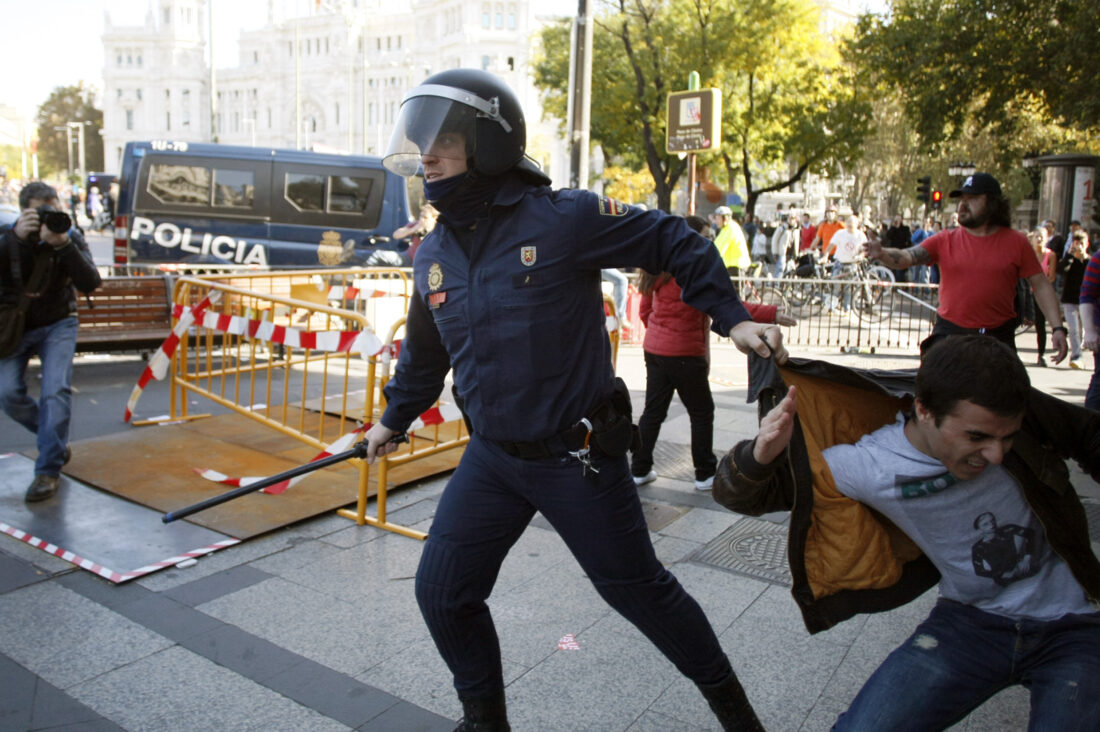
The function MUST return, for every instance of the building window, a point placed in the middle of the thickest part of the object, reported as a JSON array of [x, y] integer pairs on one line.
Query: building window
[[129, 59], [167, 95], [118, 93], [269, 118], [511, 17], [129, 119], [168, 16], [138, 91], [255, 57], [168, 121], [139, 60], [337, 113], [499, 16], [486, 16], [484, 63], [118, 60]]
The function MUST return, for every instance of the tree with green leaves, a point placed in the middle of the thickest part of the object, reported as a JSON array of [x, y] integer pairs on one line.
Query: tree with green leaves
[[786, 107], [1001, 66], [64, 105]]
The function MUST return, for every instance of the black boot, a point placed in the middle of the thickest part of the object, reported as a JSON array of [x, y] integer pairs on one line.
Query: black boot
[[728, 702], [484, 715]]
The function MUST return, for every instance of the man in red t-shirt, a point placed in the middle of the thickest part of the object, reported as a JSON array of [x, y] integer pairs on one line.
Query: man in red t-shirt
[[980, 263]]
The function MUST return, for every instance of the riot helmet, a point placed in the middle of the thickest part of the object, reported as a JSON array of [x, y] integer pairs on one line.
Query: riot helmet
[[455, 104]]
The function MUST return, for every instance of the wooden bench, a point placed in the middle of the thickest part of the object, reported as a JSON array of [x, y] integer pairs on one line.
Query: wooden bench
[[126, 314]]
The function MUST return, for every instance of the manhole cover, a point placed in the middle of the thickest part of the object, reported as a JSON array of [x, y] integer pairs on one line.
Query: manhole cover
[[751, 547]]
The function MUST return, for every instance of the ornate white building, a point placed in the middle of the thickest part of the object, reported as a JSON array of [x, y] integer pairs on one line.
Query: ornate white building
[[329, 81]]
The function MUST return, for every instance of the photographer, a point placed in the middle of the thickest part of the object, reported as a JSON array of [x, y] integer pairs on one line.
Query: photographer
[[42, 258]]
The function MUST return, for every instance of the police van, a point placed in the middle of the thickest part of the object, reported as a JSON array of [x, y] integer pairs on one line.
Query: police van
[[210, 205]]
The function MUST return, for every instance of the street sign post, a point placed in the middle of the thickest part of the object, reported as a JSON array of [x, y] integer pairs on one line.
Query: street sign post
[[694, 121], [694, 125]]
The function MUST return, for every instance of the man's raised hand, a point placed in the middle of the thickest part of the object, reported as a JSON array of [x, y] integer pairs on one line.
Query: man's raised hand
[[776, 429]]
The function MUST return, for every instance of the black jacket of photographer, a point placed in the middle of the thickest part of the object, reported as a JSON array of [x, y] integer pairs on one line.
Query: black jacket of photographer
[[61, 271]]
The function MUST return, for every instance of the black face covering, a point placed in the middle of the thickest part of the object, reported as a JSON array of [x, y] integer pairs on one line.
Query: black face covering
[[461, 199]]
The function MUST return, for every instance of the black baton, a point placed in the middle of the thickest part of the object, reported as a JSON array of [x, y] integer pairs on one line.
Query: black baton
[[358, 451]]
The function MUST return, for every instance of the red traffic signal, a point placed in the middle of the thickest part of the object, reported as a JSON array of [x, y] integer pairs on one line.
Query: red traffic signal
[[937, 199]]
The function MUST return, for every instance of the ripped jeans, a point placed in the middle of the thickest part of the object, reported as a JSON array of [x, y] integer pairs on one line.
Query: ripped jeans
[[961, 656]]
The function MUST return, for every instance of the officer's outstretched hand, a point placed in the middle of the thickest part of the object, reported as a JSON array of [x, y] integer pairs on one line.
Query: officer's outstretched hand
[[776, 429], [378, 442], [765, 339]]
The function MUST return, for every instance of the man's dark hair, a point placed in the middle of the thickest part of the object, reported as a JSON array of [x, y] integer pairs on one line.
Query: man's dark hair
[[1000, 210], [974, 368], [697, 223], [36, 189]]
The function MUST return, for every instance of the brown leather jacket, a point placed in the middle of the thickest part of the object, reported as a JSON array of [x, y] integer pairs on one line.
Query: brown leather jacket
[[844, 557]]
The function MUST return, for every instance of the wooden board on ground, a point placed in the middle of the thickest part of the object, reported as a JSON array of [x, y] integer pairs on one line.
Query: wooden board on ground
[[155, 466]]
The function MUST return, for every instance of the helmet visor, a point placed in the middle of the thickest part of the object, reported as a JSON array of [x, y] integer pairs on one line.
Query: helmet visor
[[429, 125]]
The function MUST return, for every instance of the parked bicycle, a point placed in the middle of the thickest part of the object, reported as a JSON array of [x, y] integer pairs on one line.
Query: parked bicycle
[[753, 289], [809, 289]]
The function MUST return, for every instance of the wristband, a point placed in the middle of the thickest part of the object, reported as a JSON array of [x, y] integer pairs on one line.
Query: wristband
[[1062, 328]]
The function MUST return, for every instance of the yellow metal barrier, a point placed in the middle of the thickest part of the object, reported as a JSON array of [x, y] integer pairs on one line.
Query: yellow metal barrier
[[423, 443], [273, 358]]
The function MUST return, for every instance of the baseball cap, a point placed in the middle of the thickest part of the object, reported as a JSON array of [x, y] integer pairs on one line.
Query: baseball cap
[[978, 183], [723, 211]]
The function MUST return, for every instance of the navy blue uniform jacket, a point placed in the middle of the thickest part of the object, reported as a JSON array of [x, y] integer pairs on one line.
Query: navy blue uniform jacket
[[521, 319]]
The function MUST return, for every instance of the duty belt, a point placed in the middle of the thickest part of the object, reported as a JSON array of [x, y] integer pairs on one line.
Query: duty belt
[[563, 443], [568, 441]]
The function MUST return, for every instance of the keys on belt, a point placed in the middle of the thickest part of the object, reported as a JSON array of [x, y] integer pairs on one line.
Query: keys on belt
[[584, 453]]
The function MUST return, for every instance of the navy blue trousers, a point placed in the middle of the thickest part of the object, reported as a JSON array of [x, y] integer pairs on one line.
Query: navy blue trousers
[[486, 506]]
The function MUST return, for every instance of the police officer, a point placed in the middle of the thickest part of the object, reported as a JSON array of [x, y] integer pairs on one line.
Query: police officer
[[507, 293]]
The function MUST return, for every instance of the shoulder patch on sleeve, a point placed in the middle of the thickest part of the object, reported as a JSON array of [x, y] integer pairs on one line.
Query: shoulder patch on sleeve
[[611, 207]]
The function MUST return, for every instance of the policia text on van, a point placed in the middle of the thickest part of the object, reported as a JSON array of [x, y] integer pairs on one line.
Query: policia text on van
[[208, 204]]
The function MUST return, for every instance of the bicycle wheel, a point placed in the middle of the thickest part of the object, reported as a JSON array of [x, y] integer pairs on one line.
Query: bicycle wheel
[[772, 296], [804, 297], [871, 299], [881, 272]]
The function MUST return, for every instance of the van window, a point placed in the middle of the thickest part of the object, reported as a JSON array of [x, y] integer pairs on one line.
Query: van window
[[349, 195], [339, 194], [305, 191], [234, 188], [196, 185]]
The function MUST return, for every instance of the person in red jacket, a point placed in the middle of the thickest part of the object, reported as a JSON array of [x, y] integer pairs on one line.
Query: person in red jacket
[[677, 359]]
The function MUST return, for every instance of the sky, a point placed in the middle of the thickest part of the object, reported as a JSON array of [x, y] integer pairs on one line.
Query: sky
[[35, 67]]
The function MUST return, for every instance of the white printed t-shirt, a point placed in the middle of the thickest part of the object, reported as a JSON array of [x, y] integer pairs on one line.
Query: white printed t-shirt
[[849, 247], [980, 534]]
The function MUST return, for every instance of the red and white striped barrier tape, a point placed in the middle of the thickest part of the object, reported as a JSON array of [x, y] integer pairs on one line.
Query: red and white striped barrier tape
[[104, 572], [364, 342], [157, 367], [354, 293], [343, 443]]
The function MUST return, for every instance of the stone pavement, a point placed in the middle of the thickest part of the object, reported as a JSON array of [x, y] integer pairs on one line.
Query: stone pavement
[[314, 627]]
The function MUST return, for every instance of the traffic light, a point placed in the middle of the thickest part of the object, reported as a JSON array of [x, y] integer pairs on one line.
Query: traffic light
[[937, 200], [924, 189]]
